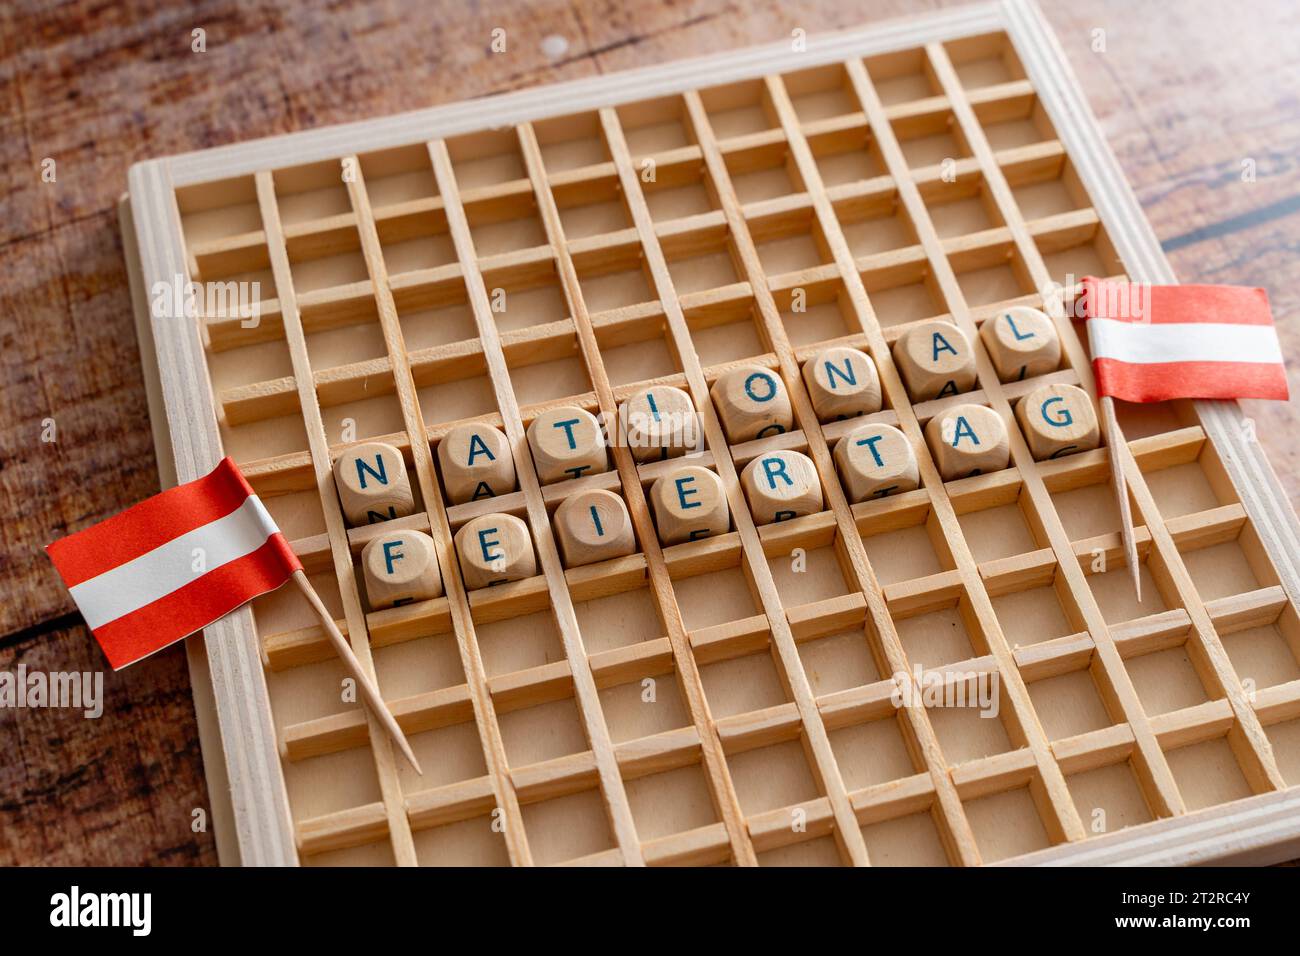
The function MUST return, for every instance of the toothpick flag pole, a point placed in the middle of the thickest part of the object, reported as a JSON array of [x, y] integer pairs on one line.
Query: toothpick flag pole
[[1118, 445], [373, 699]]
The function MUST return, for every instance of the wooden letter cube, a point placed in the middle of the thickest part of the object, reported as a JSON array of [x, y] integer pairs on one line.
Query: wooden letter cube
[[400, 567], [842, 382], [567, 442], [1058, 420], [494, 549], [968, 440], [875, 461], [1022, 342], [476, 463], [689, 503], [593, 526], [372, 484], [752, 402], [660, 422], [935, 359], [781, 485]]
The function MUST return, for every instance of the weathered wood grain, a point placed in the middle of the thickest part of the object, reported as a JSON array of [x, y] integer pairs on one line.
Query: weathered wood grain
[[1185, 91]]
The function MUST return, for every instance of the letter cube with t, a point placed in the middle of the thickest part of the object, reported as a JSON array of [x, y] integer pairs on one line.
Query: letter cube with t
[[372, 484], [875, 461], [400, 567], [567, 442]]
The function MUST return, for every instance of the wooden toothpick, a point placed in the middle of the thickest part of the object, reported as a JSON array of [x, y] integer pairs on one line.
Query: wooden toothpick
[[373, 700], [1118, 445]]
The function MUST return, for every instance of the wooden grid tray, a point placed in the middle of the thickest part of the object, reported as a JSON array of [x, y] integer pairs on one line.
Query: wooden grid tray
[[771, 736]]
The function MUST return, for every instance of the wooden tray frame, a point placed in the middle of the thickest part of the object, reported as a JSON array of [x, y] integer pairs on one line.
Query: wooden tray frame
[[1259, 829]]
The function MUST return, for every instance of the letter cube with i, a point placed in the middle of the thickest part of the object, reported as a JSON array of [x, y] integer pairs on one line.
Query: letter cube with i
[[400, 567], [494, 549], [476, 463], [842, 383], [968, 440], [935, 359], [593, 526], [1058, 420], [372, 484], [567, 442], [1022, 342], [875, 461], [660, 423], [752, 403], [781, 485], [689, 503]]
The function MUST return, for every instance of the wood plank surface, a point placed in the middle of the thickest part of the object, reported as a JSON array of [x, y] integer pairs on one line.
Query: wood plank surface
[[1187, 92]]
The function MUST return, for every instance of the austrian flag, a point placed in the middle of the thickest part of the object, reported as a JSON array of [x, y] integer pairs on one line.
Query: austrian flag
[[1155, 343], [173, 564]]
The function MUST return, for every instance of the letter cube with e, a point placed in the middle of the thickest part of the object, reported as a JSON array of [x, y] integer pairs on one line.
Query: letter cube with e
[[689, 503], [1058, 420], [476, 463], [875, 461], [968, 440], [494, 549], [372, 484], [567, 442], [935, 359], [752, 403], [593, 526], [842, 383], [781, 485], [400, 567]]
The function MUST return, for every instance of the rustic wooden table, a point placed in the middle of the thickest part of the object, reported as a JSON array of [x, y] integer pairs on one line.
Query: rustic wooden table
[[1189, 93]]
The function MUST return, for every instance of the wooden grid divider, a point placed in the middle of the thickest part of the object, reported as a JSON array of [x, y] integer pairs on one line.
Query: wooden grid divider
[[440, 529], [1049, 790], [399, 830], [585, 691], [955, 829], [1058, 820], [814, 738], [1251, 744], [721, 788]]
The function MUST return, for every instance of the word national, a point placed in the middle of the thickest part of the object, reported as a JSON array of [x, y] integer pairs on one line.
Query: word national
[[75, 689]]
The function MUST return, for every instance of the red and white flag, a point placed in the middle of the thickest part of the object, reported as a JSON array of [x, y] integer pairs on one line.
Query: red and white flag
[[1155, 343], [173, 564]]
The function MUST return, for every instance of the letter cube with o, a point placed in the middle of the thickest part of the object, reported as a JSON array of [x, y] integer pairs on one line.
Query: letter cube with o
[[752, 403]]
